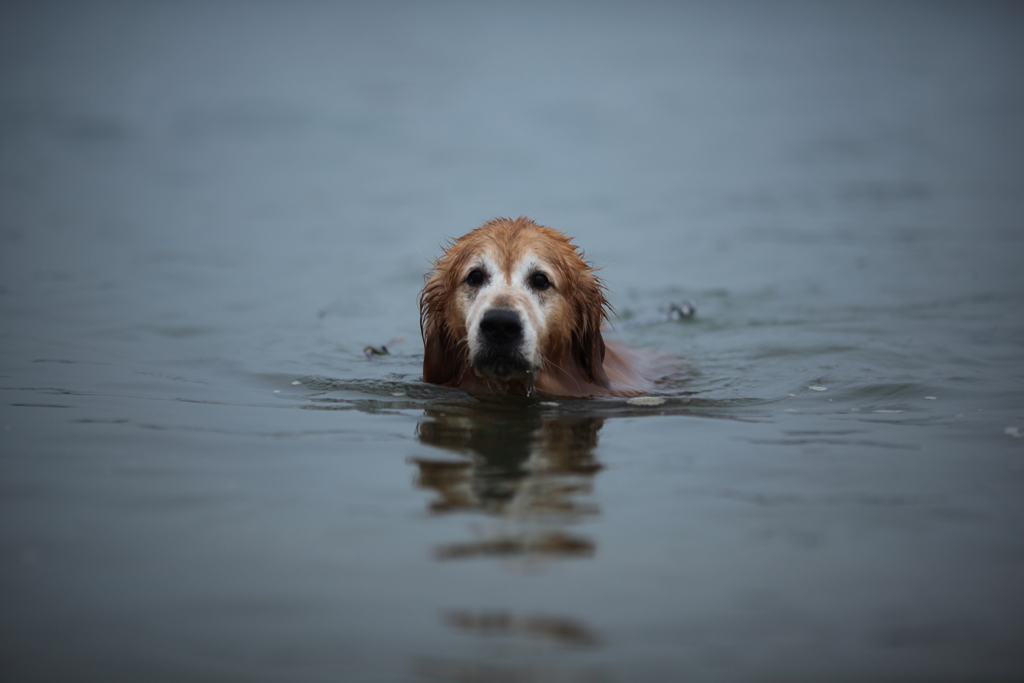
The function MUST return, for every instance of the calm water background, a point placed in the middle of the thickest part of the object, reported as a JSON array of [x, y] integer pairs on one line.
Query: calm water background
[[208, 210]]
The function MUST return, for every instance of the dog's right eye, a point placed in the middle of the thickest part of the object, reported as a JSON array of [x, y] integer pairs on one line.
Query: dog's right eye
[[475, 277]]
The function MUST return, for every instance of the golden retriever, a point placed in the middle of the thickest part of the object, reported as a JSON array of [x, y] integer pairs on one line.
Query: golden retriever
[[512, 308]]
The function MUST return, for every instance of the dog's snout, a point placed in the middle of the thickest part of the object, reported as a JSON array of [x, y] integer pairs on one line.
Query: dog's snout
[[501, 326]]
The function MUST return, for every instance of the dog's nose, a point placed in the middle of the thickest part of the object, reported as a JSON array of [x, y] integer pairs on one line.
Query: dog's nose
[[501, 326]]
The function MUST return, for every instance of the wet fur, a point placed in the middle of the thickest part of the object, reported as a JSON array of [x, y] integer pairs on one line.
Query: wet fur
[[572, 357]]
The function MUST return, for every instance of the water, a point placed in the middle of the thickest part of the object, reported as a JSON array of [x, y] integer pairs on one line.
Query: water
[[209, 211]]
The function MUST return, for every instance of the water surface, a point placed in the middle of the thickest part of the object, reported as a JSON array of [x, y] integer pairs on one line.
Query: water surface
[[208, 212]]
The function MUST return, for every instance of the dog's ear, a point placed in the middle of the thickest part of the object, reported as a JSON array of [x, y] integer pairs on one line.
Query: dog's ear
[[442, 361], [587, 342], [589, 354], [442, 358]]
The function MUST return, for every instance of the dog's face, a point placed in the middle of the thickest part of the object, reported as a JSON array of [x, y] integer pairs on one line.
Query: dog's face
[[508, 302]]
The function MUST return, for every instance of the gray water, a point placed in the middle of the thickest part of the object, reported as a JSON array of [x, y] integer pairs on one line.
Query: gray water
[[209, 210]]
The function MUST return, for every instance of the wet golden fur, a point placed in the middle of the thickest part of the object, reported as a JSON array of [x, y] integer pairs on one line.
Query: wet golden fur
[[567, 353]]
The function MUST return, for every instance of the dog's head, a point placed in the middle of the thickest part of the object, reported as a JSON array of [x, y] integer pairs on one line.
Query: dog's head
[[506, 304]]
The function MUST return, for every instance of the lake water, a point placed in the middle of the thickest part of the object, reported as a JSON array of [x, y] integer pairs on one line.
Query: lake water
[[208, 211]]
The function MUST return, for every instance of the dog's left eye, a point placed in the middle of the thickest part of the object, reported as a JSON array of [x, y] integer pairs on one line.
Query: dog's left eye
[[540, 281]]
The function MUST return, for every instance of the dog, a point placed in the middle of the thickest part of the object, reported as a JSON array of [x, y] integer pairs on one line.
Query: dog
[[512, 308]]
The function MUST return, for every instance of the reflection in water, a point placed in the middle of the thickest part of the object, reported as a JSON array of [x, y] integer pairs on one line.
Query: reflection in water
[[528, 468], [453, 671], [496, 623], [530, 665], [540, 544]]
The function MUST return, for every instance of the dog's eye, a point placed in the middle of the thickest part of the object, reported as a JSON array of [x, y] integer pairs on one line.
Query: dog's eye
[[540, 281], [475, 277]]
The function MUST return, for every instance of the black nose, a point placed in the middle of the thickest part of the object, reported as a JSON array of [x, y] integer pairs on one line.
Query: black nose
[[501, 326]]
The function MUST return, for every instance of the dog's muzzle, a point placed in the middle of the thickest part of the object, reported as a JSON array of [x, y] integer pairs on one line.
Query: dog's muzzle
[[500, 351]]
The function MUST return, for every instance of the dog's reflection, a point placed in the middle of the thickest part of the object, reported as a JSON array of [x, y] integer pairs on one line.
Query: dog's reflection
[[530, 469], [501, 660]]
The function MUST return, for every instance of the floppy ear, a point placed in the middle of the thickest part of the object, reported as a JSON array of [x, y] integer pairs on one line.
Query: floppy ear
[[587, 342], [442, 363], [590, 355], [443, 360]]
